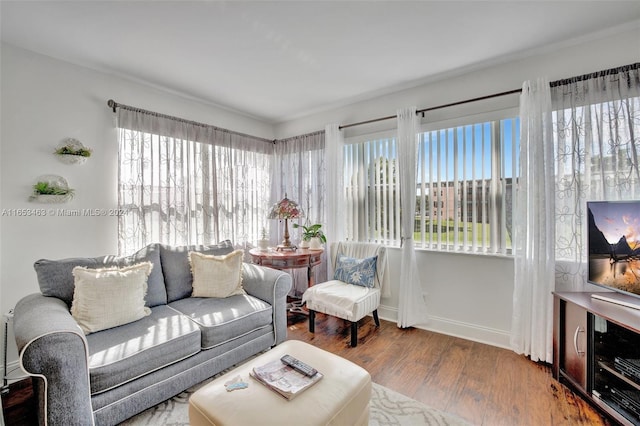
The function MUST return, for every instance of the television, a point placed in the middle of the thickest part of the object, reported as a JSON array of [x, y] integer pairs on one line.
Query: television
[[614, 249]]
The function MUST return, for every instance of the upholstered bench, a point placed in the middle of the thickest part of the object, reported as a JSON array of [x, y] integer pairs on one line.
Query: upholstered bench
[[341, 397]]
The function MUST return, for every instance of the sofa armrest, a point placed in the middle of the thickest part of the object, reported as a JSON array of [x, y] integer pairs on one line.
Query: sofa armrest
[[272, 286], [53, 350]]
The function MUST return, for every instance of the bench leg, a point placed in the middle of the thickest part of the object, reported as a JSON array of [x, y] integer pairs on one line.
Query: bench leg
[[312, 321], [354, 334], [375, 318]]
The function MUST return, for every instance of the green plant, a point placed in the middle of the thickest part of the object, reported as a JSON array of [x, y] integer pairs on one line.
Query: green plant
[[264, 233], [70, 149], [45, 188], [311, 231]]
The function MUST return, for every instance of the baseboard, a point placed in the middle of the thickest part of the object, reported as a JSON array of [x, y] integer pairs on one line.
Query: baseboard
[[388, 313], [14, 372], [473, 332]]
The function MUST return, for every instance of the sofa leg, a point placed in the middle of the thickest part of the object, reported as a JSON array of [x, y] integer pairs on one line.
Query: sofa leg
[[354, 334], [312, 321], [375, 318]]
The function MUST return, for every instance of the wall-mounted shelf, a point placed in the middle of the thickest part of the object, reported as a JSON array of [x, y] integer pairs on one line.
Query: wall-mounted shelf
[[50, 189], [72, 151]]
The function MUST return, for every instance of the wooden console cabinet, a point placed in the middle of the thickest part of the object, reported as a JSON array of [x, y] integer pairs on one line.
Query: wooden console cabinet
[[596, 347]]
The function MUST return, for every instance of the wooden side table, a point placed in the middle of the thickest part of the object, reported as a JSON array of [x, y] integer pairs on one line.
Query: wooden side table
[[300, 258]]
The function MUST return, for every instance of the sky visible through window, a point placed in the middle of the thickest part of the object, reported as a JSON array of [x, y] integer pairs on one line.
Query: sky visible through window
[[465, 152]]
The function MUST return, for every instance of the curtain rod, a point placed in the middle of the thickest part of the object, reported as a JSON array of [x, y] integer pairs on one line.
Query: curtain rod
[[509, 92], [423, 110], [113, 105], [306, 135]]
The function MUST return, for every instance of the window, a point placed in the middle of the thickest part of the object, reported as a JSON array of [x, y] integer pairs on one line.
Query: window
[[473, 167], [177, 191], [372, 193], [464, 188]]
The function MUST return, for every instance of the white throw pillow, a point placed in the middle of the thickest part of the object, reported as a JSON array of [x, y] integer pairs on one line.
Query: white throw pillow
[[216, 276], [109, 297]]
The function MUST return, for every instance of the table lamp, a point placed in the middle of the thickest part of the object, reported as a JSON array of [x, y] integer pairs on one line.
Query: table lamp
[[286, 209]]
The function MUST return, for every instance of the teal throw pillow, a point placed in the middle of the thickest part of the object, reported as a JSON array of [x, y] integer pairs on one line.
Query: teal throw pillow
[[360, 272]]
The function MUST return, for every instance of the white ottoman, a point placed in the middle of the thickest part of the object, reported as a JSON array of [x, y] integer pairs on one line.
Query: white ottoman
[[341, 397]]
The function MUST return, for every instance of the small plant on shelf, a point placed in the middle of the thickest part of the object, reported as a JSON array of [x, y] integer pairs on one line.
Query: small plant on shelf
[[48, 192], [72, 151]]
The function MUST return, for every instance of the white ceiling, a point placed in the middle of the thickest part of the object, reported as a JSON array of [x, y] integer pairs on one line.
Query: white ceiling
[[279, 60]]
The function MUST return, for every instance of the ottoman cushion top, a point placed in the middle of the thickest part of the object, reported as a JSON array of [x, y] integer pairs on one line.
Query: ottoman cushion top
[[341, 397]]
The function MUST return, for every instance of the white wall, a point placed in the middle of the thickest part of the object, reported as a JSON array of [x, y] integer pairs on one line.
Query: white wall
[[43, 102], [471, 295]]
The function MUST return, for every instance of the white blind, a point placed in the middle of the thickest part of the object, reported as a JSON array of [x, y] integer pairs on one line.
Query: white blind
[[465, 187], [372, 196], [464, 199]]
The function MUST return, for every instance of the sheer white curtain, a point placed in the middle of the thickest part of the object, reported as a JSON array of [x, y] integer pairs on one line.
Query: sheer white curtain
[[412, 309], [597, 145], [531, 327], [579, 142], [187, 183], [299, 171], [334, 213]]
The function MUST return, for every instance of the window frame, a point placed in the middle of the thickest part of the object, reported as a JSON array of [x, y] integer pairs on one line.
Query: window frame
[[497, 211]]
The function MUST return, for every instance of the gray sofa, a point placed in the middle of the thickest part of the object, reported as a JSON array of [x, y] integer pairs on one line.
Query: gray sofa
[[106, 377]]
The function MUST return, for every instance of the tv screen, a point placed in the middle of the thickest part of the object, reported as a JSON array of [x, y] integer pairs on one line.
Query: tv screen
[[614, 245]]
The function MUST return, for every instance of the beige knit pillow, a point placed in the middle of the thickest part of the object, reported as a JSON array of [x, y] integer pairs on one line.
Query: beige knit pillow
[[109, 297], [216, 276]]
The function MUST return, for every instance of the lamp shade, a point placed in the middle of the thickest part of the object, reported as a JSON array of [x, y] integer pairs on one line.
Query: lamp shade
[[285, 209]]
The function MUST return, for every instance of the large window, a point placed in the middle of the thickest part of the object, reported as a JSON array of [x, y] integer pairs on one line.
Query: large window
[[465, 187], [465, 178], [176, 191]]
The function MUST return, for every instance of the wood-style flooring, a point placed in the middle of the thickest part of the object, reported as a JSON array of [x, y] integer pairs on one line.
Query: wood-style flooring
[[482, 384]]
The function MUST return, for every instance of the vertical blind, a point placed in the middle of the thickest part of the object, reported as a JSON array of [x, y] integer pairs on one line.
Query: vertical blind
[[372, 195], [465, 178]]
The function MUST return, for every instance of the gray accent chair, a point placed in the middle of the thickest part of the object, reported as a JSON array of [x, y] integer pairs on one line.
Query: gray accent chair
[[106, 377]]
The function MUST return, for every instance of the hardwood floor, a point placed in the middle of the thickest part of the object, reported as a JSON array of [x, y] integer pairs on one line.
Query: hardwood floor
[[18, 406], [482, 384]]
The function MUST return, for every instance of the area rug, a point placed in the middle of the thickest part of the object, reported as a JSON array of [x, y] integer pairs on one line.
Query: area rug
[[388, 408]]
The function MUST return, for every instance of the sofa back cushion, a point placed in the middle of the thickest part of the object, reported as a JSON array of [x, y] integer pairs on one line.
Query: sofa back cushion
[[56, 279], [177, 270]]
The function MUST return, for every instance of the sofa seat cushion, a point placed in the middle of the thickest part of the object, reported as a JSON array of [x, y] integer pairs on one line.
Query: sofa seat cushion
[[222, 320], [121, 354]]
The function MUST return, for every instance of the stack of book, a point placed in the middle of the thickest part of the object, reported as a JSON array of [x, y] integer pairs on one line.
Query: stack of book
[[283, 379]]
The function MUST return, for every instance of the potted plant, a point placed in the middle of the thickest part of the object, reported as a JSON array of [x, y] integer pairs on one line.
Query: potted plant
[[312, 235], [71, 151], [263, 242], [47, 192]]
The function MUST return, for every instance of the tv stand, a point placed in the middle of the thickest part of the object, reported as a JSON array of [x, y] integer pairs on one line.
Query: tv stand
[[618, 299], [596, 350]]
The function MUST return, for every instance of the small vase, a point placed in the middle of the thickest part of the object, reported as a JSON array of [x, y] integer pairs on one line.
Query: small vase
[[263, 244], [304, 244], [315, 243]]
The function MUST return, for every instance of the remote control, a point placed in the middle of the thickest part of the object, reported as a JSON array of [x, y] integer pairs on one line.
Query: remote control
[[298, 365]]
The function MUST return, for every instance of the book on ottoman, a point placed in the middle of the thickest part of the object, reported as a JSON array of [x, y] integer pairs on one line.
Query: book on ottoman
[[283, 379]]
